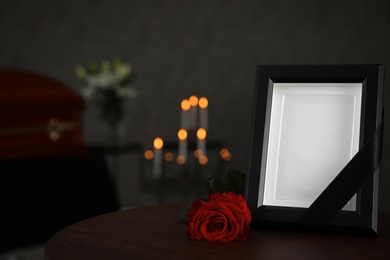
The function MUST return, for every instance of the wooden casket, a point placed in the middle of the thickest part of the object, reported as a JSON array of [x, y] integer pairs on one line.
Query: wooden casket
[[39, 116]]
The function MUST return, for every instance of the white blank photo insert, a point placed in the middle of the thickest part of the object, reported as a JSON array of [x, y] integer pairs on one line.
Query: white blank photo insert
[[314, 132]]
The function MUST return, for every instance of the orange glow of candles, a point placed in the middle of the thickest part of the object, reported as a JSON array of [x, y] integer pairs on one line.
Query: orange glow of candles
[[182, 134], [193, 113], [225, 154], [201, 134], [168, 156], [203, 160], [185, 104], [158, 157], [198, 153], [158, 143], [185, 113], [193, 101], [181, 160], [148, 154], [203, 102], [203, 113]]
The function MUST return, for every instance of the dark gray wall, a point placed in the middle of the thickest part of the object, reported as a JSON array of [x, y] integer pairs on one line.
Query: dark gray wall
[[184, 47]]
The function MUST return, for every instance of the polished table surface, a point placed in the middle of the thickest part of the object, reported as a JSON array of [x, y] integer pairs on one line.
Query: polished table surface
[[152, 233]]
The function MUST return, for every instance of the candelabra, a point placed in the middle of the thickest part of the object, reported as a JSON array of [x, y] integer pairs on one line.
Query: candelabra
[[188, 157]]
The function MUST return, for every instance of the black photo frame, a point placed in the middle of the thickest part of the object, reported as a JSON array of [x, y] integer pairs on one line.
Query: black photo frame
[[361, 89]]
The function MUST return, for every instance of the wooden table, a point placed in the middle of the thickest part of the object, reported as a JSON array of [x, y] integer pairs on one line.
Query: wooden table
[[152, 233]]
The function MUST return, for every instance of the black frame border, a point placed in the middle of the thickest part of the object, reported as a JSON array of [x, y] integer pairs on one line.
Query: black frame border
[[364, 219]]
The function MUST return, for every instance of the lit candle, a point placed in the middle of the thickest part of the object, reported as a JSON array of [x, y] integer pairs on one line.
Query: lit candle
[[193, 112], [185, 110], [201, 140], [182, 135], [203, 113], [157, 158]]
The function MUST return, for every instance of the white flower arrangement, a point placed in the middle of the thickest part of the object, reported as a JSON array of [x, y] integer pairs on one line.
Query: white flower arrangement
[[107, 86], [113, 75]]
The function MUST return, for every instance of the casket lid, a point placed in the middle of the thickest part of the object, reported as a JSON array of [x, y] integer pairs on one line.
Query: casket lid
[[21, 88]]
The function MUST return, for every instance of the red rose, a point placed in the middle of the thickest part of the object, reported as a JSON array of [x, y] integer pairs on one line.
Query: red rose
[[225, 217]]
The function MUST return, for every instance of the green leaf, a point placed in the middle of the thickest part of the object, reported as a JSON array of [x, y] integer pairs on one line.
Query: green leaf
[[213, 184], [182, 217], [234, 181]]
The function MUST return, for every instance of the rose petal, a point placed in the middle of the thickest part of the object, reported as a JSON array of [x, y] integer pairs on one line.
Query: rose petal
[[225, 217]]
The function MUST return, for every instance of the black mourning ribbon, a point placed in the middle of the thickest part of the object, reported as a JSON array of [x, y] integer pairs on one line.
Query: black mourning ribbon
[[347, 182]]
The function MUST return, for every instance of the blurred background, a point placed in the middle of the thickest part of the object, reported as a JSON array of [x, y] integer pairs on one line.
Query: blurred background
[[180, 48]]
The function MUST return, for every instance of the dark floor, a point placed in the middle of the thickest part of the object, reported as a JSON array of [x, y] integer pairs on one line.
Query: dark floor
[[131, 193]]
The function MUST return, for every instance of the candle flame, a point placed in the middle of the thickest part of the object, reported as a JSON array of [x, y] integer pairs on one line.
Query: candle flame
[[203, 102], [201, 133], [185, 104], [158, 143], [182, 134], [193, 101]]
